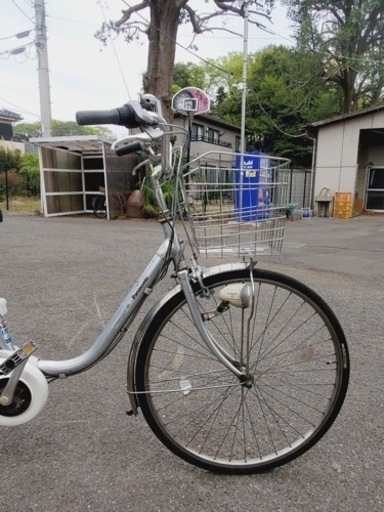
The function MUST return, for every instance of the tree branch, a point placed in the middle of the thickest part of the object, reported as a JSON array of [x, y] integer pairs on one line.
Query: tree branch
[[181, 3], [195, 20], [223, 5], [128, 12]]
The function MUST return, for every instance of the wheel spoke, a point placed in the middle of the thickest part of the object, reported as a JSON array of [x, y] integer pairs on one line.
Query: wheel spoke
[[296, 384]]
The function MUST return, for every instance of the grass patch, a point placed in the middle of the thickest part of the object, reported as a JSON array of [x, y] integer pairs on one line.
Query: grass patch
[[21, 204]]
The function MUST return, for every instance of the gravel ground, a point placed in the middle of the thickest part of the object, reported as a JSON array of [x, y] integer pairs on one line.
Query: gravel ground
[[63, 277]]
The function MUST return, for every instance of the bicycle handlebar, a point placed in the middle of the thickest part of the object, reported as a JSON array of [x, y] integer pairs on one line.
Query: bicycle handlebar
[[130, 115], [132, 147], [146, 115], [118, 116]]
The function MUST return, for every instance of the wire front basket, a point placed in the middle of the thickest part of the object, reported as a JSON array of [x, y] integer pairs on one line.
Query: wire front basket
[[236, 203]]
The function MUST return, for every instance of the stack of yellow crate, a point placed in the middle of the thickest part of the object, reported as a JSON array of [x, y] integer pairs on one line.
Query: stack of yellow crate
[[342, 205]]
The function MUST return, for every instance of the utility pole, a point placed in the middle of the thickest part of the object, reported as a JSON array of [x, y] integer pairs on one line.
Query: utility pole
[[245, 79], [42, 54]]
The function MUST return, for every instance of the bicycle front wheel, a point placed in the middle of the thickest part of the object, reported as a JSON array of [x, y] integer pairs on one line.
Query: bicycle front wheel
[[100, 207], [298, 368]]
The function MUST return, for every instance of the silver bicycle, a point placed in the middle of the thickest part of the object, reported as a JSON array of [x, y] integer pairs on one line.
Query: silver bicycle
[[236, 369]]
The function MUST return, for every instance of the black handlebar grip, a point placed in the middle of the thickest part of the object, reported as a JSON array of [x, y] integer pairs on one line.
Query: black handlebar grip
[[122, 116], [85, 117], [132, 147]]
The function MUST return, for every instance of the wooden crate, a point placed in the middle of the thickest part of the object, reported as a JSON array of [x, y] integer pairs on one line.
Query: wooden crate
[[342, 205], [342, 215], [342, 196]]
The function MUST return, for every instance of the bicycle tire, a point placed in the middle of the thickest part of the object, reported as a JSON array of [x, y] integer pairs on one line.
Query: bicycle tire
[[201, 411], [100, 207]]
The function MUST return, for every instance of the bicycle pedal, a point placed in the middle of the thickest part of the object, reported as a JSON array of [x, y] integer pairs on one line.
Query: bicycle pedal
[[17, 358]]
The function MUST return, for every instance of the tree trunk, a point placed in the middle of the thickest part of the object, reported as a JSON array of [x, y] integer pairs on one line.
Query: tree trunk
[[348, 86], [162, 33]]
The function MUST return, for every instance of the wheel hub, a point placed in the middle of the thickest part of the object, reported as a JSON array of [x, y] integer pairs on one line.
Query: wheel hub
[[21, 400]]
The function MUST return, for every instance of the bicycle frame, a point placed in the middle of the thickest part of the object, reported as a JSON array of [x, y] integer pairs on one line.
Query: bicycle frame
[[171, 249], [119, 322]]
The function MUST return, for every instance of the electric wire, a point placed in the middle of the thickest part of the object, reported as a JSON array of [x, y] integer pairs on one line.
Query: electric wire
[[14, 35], [20, 108], [297, 136], [229, 37], [70, 20], [13, 50], [179, 44], [20, 9], [115, 52]]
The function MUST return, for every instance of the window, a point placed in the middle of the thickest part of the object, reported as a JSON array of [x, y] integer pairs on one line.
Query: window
[[197, 131], [213, 136], [203, 133]]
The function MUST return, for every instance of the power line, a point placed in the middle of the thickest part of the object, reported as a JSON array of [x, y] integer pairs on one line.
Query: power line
[[204, 36], [20, 108], [71, 21], [19, 35], [20, 9], [178, 44], [30, 4], [17, 50], [115, 52], [276, 36], [299, 135]]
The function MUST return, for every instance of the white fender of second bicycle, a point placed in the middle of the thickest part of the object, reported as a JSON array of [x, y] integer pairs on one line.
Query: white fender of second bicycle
[[37, 384]]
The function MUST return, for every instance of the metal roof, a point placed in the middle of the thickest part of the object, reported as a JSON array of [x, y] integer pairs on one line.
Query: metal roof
[[75, 143], [9, 116], [344, 117]]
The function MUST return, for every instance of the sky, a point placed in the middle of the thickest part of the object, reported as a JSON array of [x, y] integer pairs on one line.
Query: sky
[[84, 74]]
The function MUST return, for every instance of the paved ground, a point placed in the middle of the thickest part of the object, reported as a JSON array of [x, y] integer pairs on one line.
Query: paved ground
[[64, 276]]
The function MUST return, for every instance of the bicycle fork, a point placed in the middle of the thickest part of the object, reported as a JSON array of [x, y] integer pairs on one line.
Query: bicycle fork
[[239, 295]]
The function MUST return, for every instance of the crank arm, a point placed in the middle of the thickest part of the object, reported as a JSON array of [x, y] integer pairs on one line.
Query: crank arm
[[17, 358]]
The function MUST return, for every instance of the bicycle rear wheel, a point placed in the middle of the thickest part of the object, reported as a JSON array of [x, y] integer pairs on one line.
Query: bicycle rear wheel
[[100, 207], [299, 370]]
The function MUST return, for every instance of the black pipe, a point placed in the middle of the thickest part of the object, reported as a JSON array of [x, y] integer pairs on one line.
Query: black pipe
[[6, 190], [305, 187]]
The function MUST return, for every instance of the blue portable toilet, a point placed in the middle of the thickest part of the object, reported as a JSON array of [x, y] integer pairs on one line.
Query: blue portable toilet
[[251, 193]]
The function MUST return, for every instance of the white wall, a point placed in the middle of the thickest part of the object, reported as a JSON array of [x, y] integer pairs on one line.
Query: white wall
[[339, 160]]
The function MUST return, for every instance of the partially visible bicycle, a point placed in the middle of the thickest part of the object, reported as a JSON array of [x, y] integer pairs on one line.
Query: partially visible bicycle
[[236, 369], [99, 204]]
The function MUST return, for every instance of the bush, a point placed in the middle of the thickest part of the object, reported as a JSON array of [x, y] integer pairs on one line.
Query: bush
[[22, 172], [16, 184], [30, 171]]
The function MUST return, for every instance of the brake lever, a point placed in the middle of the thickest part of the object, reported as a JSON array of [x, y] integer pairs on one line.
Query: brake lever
[[149, 135]]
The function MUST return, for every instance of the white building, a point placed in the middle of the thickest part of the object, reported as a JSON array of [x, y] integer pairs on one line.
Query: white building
[[349, 158]]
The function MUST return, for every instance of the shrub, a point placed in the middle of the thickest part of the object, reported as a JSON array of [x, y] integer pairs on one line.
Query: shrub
[[30, 171], [16, 184]]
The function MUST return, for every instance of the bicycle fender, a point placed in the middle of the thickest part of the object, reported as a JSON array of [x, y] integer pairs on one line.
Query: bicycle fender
[[37, 386], [146, 322]]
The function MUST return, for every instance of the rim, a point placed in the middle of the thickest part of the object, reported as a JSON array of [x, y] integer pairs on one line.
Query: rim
[[295, 392]]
